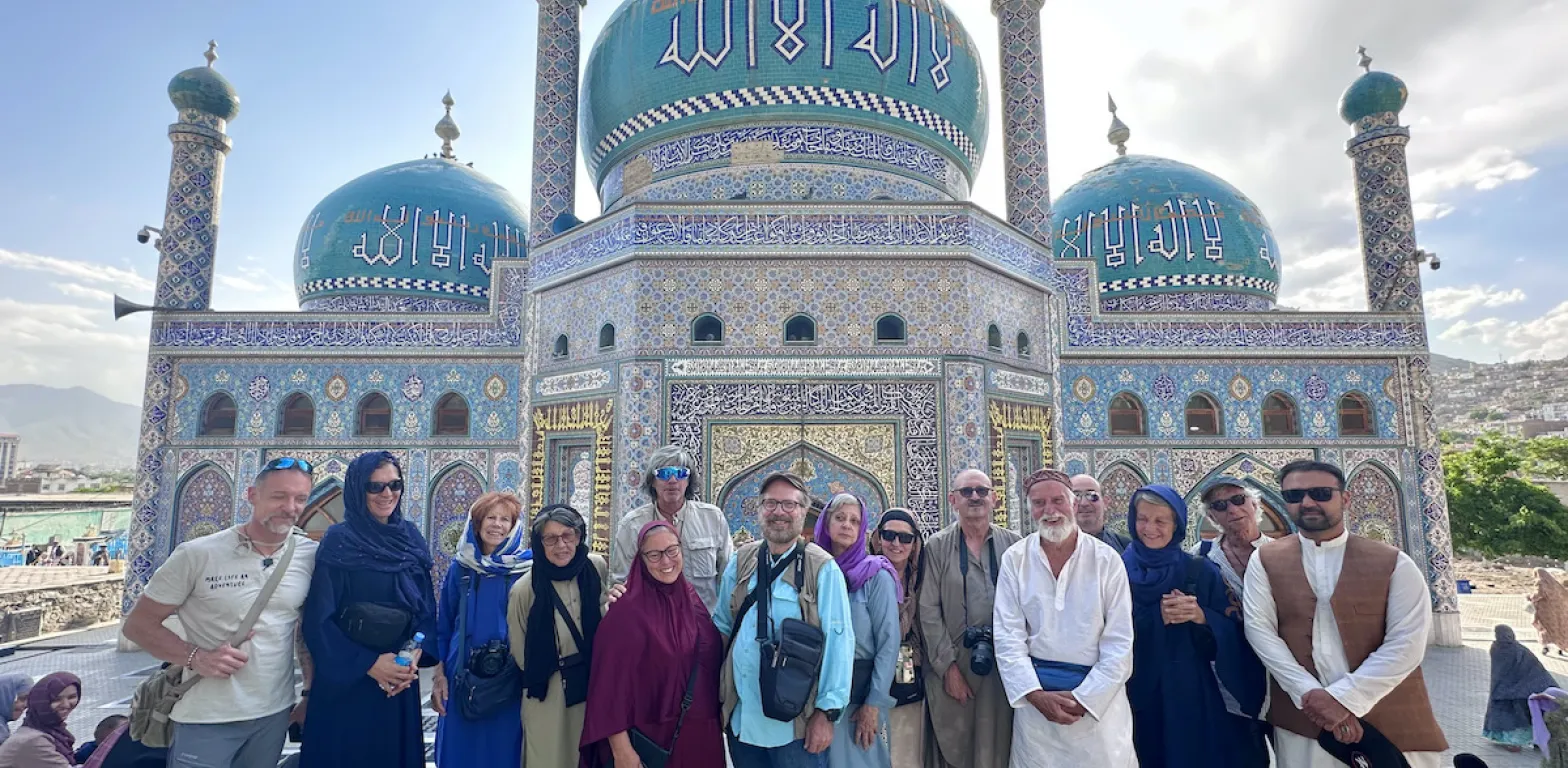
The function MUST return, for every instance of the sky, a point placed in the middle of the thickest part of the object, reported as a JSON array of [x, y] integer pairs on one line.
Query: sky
[[328, 91]]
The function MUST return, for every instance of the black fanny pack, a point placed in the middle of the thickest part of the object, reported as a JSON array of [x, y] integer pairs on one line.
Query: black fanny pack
[[380, 627]]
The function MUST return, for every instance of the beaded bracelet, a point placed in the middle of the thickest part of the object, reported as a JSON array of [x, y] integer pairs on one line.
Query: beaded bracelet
[[190, 659]]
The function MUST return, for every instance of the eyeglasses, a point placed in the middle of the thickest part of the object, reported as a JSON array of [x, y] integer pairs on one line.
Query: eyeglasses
[[373, 488], [773, 505], [1220, 505], [892, 536], [1321, 493], [672, 473], [1087, 495], [288, 462], [656, 556], [972, 491], [570, 539]]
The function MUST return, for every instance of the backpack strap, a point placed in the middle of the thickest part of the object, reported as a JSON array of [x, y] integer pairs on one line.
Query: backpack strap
[[1203, 548], [1194, 571], [265, 597]]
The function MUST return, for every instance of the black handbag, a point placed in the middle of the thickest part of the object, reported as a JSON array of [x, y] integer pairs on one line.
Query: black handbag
[[574, 668], [650, 753], [480, 695], [380, 627], [790, 663], [860, 683]]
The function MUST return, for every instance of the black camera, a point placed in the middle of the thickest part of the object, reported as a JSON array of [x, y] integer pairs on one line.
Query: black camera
[[489, 660], [982, 650]]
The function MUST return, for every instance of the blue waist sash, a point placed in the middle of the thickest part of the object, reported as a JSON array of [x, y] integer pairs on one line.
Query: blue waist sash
[[1059, 675]]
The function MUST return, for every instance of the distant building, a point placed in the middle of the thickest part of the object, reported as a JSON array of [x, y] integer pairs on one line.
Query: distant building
[[10, 446], [1555, 411], [1528, 428]]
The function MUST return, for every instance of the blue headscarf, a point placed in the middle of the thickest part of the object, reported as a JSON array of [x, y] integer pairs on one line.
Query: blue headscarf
[[511, 556], [1155, 572], [11, 686], [362, 543]]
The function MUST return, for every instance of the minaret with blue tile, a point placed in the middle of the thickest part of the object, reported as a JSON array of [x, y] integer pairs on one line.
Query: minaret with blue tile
[[206, 103], [1023, 117], [1387, 219], [555, 115]]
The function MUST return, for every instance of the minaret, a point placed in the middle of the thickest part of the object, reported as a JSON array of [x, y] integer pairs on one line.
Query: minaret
[[1387, 220], [555, 114], [206, 103], [1023, 117]]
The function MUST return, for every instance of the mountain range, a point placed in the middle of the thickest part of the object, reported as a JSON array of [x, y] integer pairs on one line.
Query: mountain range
[[74, 426]]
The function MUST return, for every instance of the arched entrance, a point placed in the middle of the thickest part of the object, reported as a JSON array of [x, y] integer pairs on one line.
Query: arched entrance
[[824, 473], [323, 510], [205, 504], [454, 492]]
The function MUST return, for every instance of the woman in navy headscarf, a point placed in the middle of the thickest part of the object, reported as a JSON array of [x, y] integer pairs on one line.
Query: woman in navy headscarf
[[1189, 648], [370, 594]]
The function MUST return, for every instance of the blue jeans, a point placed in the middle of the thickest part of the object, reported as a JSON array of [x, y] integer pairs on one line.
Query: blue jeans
[[791, 755]]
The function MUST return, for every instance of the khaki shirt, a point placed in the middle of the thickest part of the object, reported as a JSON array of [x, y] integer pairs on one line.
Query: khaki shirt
[[705, 543]]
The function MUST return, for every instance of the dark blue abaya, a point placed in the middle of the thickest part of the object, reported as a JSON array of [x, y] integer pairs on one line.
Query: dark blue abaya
[[497, 739]]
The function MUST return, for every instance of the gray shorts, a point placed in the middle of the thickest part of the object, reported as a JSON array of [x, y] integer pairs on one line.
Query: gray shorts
[[244, 744]]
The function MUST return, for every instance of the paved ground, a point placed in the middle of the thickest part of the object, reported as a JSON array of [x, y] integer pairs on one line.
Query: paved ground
[[1457, 678], [12, 579]]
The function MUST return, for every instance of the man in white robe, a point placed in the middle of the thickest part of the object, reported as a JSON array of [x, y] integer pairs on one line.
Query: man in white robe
[[1063, 597], [1385, 688]]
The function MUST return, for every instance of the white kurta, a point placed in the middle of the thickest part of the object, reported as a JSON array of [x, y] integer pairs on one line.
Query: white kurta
[[1404, 644], [1083, 617]]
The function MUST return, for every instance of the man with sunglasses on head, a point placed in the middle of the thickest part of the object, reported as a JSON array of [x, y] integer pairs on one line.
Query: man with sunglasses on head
[[969, 708], [1089, 512], [238, 713], [1236, 509], [671, 482], [1341, 623]]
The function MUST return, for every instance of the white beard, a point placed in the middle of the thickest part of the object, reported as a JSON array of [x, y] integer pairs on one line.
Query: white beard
[[1058, 532]]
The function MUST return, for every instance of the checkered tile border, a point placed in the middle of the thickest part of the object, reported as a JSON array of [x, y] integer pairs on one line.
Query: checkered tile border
[[784, 95], [323, 285], [1183, 281]]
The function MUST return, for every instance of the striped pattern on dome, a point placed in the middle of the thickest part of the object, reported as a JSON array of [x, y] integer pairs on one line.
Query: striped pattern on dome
[[1181, 281], [392, 284]]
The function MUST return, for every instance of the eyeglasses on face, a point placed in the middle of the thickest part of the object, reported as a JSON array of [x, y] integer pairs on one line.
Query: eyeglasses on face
[[1220, 505], [773, 505], [570, 539], [898, 536], [971, 491], [288, 462], [672, 473], [656, 556], [373, 487], [1320, 493], [1087, 495]]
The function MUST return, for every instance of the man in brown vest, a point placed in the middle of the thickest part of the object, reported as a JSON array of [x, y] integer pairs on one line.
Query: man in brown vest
[[1341, 622]]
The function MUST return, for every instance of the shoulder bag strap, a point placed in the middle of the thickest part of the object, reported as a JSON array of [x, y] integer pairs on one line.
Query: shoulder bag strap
[[571, 626], [262, 599], [763, 572], [691, 684], [462, 623]]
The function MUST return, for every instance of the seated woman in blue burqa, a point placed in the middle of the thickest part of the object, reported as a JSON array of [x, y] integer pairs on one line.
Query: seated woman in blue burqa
[[1188, 642]]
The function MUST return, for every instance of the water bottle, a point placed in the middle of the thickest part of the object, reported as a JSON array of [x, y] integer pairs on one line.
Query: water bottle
[[405, 657]]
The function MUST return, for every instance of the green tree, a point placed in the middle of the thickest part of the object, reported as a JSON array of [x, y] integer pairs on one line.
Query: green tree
[[1494, 510], [1548, 457]]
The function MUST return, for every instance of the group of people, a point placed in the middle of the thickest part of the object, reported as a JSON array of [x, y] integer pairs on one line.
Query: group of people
[[860, 643]]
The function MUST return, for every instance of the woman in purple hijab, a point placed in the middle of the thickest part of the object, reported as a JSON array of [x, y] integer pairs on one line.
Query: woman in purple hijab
[[43, 741], [860, 737]]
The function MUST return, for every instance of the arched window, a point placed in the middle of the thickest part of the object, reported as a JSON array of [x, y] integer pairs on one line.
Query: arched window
[[1023, 345], [451, 416], [1203, 415], [1279, 416], [891, 330], [375, 416], [299, 416], [217, 416], [707, 329], [800, 329], [562, 347], [1355, 416], [993, 338], [1127, 416], [606, 337]]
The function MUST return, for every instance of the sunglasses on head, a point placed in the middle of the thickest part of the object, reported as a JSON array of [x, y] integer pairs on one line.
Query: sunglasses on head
[[1220, 505], [892, 536], [973, 491], [288, 462], [1321, 493], [373, 487], [672, 473]]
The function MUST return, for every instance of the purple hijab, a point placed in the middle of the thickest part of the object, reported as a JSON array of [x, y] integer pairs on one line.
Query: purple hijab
[[857, 562], [41, 715]]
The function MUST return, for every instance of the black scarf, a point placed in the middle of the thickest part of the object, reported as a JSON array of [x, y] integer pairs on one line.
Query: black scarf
[[541, 655]]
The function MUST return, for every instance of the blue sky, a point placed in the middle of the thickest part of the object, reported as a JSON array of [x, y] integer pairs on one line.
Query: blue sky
[[332, 90]]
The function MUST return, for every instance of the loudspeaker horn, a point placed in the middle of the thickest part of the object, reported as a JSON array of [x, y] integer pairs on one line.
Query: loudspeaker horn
[[122, 307]]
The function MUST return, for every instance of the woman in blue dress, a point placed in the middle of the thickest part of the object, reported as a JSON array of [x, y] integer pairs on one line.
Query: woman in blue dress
[[492, 556], [370, 594]]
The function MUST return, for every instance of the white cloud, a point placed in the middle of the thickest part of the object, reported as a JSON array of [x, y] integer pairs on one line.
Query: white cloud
[[1484, 169], [79, 291], [102, 274], [71, 345], [1545, 337], [1454, 302]]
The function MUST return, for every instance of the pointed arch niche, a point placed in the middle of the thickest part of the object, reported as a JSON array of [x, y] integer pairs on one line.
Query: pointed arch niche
[[453, 492], [1375, 505], [1117, 485], [825, 475], [205, 503]]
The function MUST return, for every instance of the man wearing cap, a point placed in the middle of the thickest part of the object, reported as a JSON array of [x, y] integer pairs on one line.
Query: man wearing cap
[[1341, 622], [672, 483], [1089, 509], [1236, 509]]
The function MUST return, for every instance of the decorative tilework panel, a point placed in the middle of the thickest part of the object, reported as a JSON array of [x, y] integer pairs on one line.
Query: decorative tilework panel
[[455, 491], [968, 432], [825, 475], [1375, 505], [1023, 119], [1387, 221], [189, 242], [151, 507], [869, 448], [555, 114], [1118, 483], [794, 182], [639, 430], [206, 503], [596, 419], [1007, 421]]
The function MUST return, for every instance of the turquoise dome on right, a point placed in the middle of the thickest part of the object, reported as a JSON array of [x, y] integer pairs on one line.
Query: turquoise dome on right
[[1373, 93], [1166, 236]]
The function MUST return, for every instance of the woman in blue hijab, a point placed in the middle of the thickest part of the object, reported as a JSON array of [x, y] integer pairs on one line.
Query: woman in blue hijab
[[1188, 642], [370, 594]]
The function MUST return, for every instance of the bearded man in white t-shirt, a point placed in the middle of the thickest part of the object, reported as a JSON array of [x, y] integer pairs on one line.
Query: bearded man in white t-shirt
[[238, 714]]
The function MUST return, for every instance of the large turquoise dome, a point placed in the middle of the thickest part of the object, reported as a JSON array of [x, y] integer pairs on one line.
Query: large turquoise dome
[[420, 235], [896, 84], [1166, 236]]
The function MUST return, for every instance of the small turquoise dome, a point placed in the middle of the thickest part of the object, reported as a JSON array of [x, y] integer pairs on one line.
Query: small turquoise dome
[[1371, 94], [1160, 228], [663, 69], [204, 90], [416, 235]]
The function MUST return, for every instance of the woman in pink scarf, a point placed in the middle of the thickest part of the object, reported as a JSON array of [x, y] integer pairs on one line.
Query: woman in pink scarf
[[43, 741]]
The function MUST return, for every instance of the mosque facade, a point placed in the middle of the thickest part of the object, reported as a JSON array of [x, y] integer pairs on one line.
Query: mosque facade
[[787, 273]]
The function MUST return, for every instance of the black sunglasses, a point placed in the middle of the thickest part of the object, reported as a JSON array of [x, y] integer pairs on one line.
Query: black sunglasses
[[373, 487], [892, 536], [1220, 505], [974, 490], [1321, 493], [288, 462]]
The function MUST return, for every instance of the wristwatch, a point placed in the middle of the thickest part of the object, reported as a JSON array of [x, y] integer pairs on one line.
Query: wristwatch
[[832, 714]]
